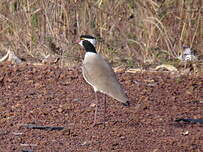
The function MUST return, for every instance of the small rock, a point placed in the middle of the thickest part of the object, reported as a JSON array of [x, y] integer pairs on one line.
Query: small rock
[[60, 110], [185, 133], [122, 137], [76, 100], [84, 143], [92, 105]]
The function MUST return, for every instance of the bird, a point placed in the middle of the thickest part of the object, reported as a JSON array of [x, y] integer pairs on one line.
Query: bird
[[98, 73]]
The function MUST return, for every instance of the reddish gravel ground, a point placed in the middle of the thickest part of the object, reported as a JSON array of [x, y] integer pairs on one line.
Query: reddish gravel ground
[[53, 96]]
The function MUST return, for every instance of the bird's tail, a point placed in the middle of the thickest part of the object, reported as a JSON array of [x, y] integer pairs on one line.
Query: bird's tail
[[127, 103]]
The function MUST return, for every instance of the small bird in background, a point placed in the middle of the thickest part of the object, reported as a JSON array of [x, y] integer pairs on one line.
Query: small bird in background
[[99, 74]]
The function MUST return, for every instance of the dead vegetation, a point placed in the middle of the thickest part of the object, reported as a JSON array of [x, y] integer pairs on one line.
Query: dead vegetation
[[130, 33]]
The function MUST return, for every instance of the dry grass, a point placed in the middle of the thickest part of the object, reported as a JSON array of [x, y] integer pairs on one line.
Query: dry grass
[[130, 32]]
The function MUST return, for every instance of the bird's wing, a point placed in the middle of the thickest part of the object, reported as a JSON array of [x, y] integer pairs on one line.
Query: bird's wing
[[99, 74]]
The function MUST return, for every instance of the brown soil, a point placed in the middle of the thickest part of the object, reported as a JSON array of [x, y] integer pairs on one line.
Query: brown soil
[[53, 96]]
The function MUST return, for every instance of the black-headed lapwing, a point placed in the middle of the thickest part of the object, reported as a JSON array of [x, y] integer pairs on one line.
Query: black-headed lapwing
[[99, 74]]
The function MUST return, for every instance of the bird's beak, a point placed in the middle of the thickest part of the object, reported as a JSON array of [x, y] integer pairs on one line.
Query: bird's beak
[[77, 41]]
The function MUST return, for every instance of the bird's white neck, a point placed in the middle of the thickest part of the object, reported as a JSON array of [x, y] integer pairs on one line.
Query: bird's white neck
[[87, 54]]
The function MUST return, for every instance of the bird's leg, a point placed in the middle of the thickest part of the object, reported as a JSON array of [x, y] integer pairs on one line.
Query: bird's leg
[[104, 109], [96, 109]]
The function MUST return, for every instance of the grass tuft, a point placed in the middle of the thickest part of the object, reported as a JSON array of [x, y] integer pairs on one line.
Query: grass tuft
[[149, 31]]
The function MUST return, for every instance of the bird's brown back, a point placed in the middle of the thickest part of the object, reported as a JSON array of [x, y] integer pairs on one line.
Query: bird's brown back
[[99, 74]]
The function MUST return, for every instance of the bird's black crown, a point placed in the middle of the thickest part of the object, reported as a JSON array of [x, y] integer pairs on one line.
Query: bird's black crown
[[87, 36]]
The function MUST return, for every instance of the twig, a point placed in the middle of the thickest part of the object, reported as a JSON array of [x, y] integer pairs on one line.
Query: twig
[[17, 133], [28, 145], [189, 120], [32, 126], [27, 150]]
